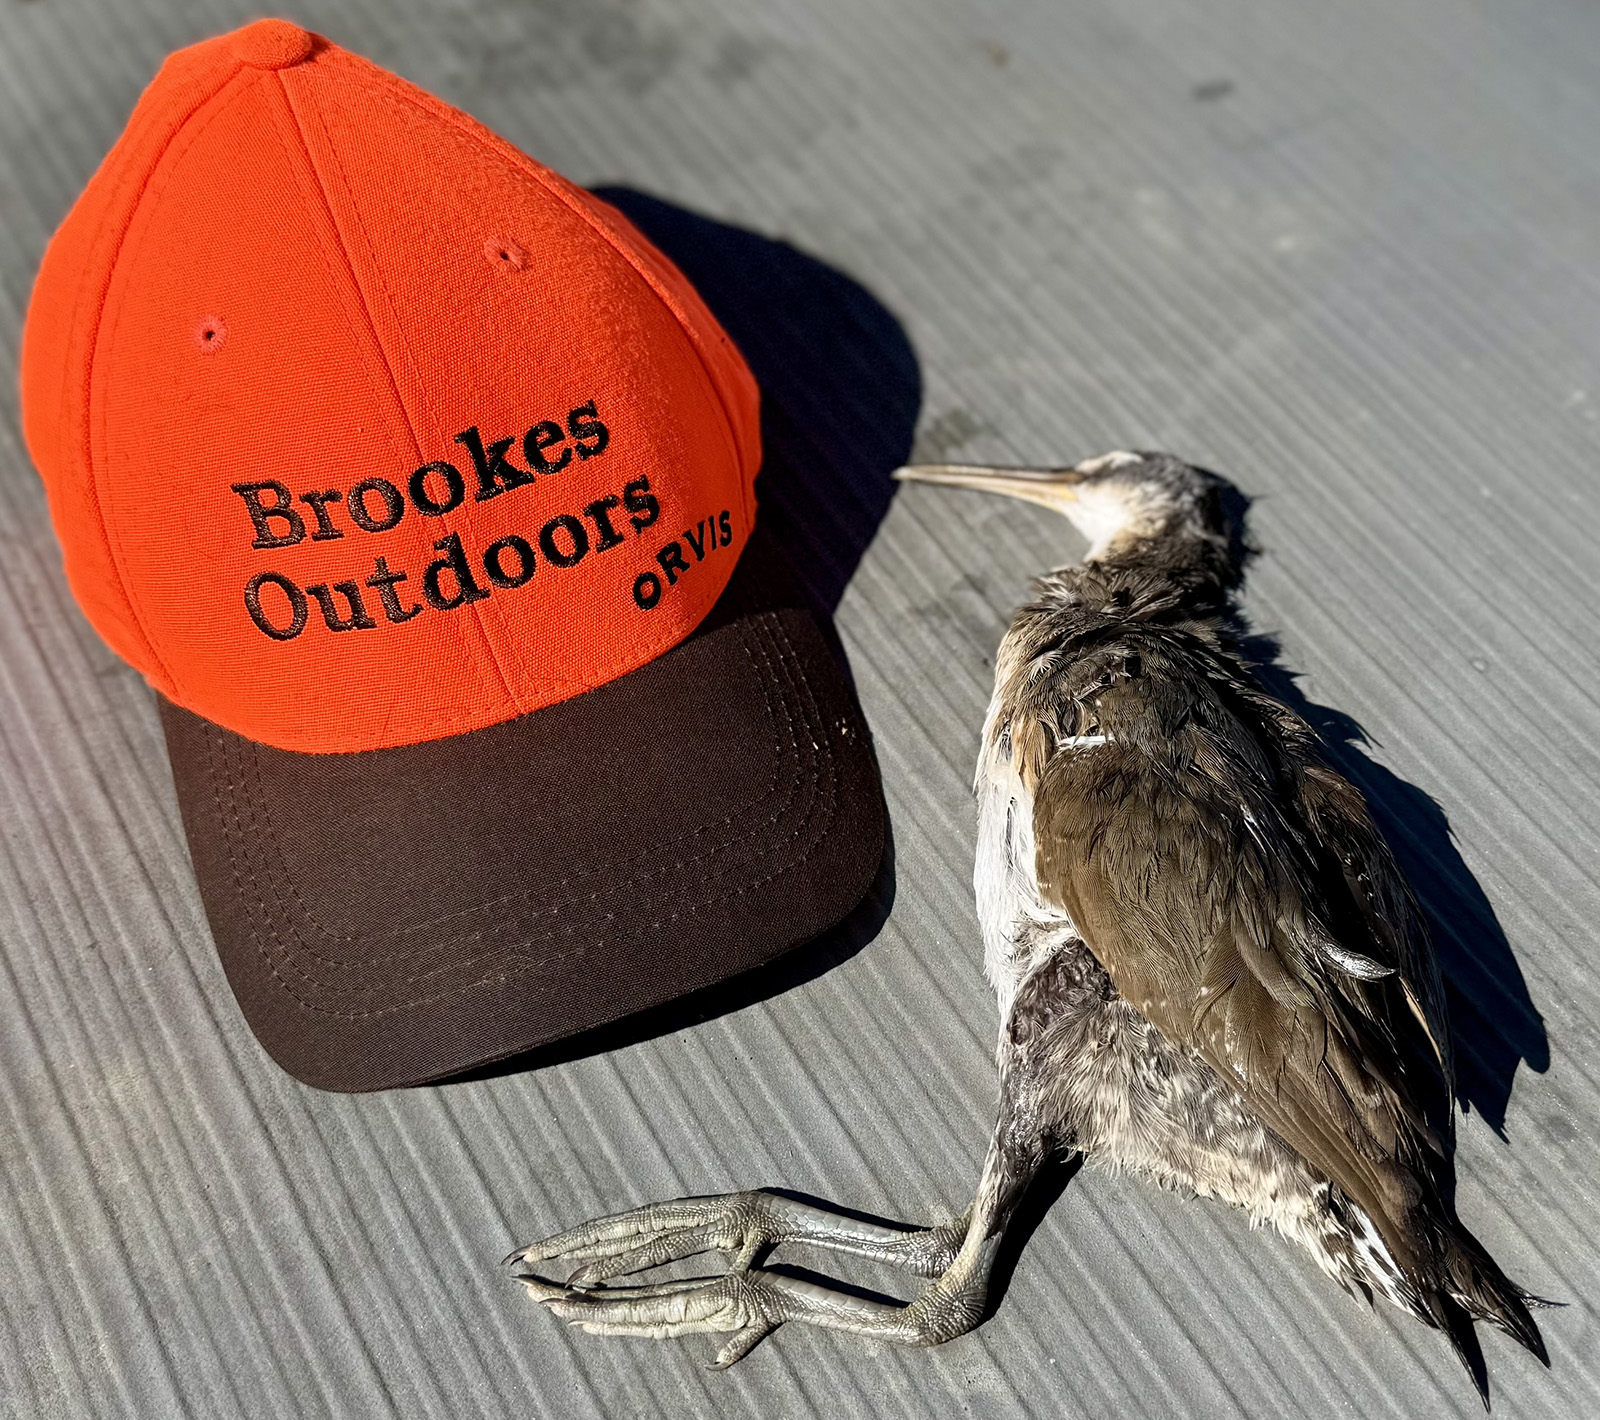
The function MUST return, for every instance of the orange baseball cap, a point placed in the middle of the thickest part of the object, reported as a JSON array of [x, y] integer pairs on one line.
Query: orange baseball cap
[[421, 488]]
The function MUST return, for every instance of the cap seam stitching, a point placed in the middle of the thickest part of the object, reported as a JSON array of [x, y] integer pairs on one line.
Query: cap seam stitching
[[479, 611], [520, 965], [257, 803], [346, 276], [405, 351], [523, 965], [744, 811]]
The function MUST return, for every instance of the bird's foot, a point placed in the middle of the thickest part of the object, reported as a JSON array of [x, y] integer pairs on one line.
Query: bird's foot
[[748, 1305], [742, 1224]]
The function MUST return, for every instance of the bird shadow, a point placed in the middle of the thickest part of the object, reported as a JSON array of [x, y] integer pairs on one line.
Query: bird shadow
[[1032, 1208], [840, 393], [1494, 1025]]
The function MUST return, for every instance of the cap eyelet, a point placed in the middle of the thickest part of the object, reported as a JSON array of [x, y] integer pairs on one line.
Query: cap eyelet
[[210, 334], [503, 252]]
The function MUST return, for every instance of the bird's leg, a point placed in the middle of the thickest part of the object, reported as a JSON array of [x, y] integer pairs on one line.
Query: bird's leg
[[749, 1302]]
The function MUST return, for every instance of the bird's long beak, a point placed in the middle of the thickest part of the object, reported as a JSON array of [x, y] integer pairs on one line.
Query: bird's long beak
[[1050, 487]]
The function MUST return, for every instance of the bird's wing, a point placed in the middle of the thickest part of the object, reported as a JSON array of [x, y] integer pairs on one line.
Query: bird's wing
[[1198, 877], [1370, 899]]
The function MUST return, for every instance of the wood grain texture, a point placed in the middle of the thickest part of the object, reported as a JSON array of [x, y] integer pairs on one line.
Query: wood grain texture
[[1345, 254]]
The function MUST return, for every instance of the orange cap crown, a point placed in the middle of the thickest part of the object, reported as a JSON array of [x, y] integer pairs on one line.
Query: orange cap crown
[[359, 427]]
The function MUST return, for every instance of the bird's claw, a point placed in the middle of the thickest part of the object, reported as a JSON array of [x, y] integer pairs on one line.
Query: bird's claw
[[542, 1291]]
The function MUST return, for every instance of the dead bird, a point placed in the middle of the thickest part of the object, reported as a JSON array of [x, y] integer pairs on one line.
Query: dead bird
[[1210, 969]]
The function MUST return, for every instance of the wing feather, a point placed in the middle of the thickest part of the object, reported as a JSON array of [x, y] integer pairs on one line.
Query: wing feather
[[1382, 907], [1245, 904]]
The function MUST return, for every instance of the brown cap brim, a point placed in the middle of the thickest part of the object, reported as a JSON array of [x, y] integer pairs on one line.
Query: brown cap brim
[[400, 915]]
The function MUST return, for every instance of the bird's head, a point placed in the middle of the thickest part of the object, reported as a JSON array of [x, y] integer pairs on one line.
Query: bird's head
[[1131, 506]]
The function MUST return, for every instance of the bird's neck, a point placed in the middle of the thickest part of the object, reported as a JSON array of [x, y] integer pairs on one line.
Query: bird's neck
[[1199, 567]]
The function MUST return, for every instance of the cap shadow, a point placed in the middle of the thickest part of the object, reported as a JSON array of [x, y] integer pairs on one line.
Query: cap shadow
[[840, 394], [840, 385]]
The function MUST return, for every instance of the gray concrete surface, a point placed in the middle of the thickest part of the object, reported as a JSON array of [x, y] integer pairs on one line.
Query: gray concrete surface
[[1347, 253]]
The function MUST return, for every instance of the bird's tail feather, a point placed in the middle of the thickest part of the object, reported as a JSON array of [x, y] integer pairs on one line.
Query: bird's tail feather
[[1466, 1285], [1447, 1279], [1475, 1282]]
